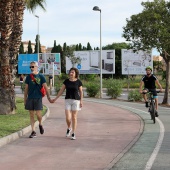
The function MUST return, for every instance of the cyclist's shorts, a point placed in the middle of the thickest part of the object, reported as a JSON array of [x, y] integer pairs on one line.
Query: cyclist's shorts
[[154, 93]]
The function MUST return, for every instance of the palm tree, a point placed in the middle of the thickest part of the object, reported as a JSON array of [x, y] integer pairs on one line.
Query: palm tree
[[11, 20]]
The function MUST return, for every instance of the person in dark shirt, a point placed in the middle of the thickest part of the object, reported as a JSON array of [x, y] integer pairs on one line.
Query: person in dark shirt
[[33, 96], [73, 100], [149, 82]]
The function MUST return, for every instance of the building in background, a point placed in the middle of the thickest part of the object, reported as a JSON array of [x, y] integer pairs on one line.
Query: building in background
[[25, 44]]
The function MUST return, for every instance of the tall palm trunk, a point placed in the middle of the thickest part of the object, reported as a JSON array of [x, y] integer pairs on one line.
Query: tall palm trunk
[[10, 28]]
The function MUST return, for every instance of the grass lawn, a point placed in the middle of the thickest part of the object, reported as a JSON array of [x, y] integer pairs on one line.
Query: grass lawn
[[13, 123]]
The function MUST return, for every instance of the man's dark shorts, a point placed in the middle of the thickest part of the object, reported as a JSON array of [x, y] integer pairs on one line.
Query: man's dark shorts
[[155, 95], [34, 104]]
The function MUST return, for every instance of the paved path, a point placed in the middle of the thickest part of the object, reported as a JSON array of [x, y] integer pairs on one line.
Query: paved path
[[152, 150], [104, 134]]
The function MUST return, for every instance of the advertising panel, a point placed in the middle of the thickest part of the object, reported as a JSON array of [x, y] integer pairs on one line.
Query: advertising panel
[[88, 62], [134, 63], [48, 63], [24, 61]]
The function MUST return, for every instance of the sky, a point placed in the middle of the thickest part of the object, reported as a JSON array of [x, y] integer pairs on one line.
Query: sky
[[74, 22]]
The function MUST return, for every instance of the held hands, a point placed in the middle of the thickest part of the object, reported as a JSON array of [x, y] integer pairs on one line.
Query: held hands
[[55, 99], [50, 100]]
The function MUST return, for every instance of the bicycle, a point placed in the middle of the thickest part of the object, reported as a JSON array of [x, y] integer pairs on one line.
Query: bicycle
[[151, 103]]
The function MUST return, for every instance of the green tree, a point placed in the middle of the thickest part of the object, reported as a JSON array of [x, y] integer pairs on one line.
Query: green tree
[[77, 47], [54, 49], [89, 46], [36, 44], [80, 47], [84, 48], [21, 48], [11, 24], [63, 58], [29, 48], [151, 29]]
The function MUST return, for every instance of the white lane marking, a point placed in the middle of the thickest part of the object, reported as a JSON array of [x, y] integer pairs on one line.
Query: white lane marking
[[160, 139], [158, 145]]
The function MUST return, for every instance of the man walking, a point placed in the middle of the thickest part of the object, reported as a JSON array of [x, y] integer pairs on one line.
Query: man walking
[[33, 96]]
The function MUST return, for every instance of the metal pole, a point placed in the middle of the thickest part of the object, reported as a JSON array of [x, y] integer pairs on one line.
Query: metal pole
[[101, 92], [38, 37], [38, 40], [96, 8], [53, 74]]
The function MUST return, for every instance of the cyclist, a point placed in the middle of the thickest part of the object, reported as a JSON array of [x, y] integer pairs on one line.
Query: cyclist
[[148, 81]]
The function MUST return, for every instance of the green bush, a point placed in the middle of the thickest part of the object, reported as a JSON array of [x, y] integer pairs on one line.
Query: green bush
[[63, 76], [114, 88], [88, 77], [134, 85], [134, 95], [92, 89], [58, 85]]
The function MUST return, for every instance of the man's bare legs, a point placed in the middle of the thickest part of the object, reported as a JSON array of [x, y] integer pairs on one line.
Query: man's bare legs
[[32, 122]]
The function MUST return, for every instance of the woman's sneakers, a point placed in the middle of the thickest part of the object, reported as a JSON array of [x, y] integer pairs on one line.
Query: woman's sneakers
[[68, 132], [73, 136]]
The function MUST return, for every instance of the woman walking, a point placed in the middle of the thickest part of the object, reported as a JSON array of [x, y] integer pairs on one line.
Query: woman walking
[[73, 100]]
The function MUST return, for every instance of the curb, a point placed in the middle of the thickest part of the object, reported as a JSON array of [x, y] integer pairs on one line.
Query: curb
[[129, 146], [14, 136]]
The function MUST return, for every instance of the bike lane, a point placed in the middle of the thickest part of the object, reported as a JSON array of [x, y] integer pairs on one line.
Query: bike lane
[[104, 134]]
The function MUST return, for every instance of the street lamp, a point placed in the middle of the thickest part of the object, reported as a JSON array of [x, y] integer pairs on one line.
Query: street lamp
[[38, 37], [96, 8]]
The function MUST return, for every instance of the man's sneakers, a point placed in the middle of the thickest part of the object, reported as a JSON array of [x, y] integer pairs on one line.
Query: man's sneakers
[[73, 137], [146, 104], [41, 129], [156, 113], [68, 132], [33, 134]]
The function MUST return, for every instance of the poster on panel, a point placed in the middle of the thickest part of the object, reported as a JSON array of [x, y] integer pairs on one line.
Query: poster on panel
[[134, 63], [88, 62], [24, 61], [48, 63]]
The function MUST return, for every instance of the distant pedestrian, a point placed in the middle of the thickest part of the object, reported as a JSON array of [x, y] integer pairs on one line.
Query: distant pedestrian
[[21, 80], [33, 96], [73, 100]]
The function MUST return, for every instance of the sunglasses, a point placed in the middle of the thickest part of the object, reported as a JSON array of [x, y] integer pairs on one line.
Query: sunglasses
[[32, 66]]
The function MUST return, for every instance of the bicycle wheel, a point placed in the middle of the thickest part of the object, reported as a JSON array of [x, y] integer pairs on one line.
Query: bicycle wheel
[[153, 111]]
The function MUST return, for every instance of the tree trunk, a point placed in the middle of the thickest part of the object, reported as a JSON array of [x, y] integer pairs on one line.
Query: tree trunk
[[11, 29], [166, 94]]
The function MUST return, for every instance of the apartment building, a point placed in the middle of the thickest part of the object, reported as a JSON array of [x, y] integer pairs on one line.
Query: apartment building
[[25, 44]]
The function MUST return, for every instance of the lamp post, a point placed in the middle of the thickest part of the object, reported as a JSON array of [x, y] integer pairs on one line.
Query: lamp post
[[38, 36], [96, 8]]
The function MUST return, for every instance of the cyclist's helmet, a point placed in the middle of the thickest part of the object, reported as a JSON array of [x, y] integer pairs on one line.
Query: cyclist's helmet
[[148, 67]]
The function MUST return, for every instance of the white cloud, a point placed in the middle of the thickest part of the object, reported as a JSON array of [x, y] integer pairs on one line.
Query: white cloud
[[75, 22]]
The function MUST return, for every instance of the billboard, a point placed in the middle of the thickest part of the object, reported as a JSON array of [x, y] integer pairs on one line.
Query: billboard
[[134, 63], [24, 61], [88, 62], [49, 63]]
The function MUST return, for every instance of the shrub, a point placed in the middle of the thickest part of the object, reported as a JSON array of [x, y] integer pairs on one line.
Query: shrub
[[134, 95], [92, 89], [63, 76], [114, 88], [88, 77]]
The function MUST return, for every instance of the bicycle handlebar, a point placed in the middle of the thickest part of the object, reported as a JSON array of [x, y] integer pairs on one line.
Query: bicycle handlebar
[[158, 91]]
